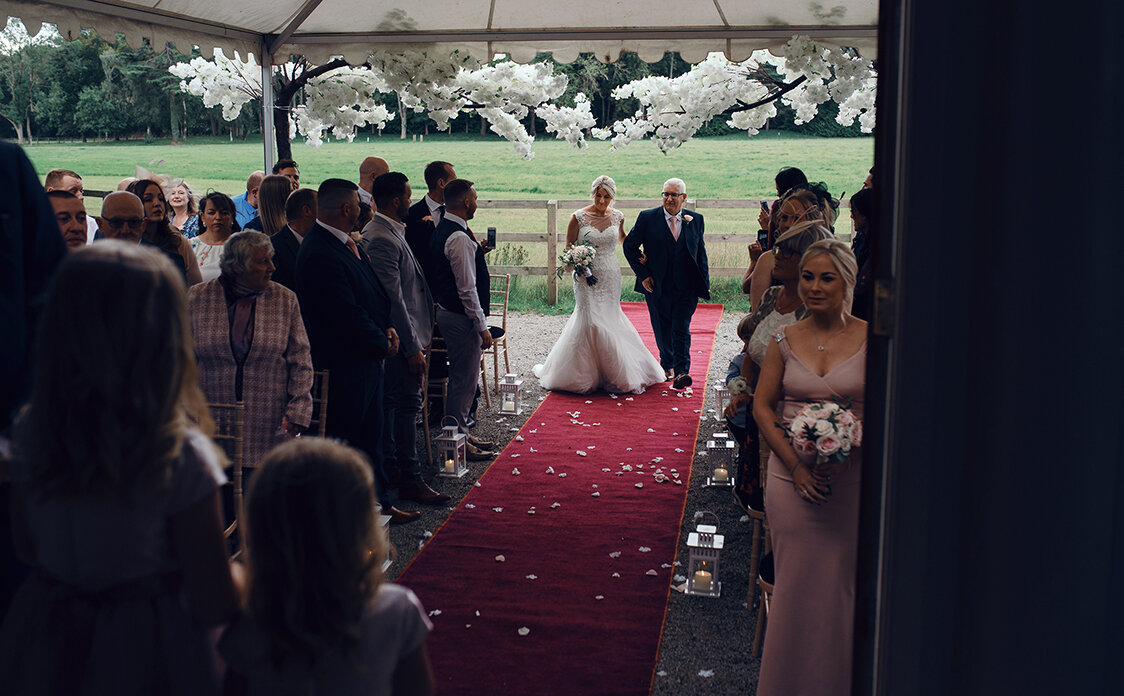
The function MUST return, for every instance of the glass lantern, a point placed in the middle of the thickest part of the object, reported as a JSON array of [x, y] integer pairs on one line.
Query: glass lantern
[[721, 399], [721, 452], [704, 547], [511, 395], [451, 446]]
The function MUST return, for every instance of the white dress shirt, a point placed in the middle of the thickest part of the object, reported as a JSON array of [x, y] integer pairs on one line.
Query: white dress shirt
[[460, 249]]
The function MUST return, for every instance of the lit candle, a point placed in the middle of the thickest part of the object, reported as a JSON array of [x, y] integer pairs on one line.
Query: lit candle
[[450, 466], [704, 581], [721, 475]]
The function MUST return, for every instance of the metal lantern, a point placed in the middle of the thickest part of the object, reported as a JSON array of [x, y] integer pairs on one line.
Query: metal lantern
[[721, 453], [511, 395], [704, 546], [722, 399], [451, 444]]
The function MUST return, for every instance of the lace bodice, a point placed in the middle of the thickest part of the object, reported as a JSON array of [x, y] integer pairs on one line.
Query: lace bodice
[[601, 233]]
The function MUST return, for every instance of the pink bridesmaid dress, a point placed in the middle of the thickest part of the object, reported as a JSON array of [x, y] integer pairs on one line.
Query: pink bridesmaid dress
[[809, 638]]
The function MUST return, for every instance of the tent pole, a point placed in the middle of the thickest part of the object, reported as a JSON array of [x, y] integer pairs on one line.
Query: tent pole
[[267, 130]]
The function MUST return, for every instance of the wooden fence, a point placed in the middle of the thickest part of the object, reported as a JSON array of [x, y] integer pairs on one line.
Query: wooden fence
[[553, 235]]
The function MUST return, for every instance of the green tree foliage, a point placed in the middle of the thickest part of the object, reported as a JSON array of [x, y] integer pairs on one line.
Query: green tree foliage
[[22, 58]]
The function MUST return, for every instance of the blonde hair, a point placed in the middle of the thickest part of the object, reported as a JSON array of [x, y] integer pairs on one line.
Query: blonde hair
[[603, 182], [192, 206], [842, 258], [116, 387], [272, 194], [315, 547]]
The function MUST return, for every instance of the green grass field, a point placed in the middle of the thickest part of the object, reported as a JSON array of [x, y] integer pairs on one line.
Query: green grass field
[[726, 167]]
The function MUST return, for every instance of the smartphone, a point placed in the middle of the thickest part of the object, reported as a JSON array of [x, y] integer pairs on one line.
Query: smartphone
[[491, 238], [764, 206], [762, 237]]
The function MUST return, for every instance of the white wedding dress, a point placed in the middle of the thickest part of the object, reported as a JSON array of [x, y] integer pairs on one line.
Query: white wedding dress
[[599, 347]]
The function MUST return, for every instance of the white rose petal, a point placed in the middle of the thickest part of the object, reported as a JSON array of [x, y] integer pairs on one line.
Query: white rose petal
[[534, 450], [627, 449], [677, 482], [562, 475], [589, 402], [427, 534], [650, 430], [614, 554], [478, 612], [661, 673], [596, 494], [640, 485], [665, 565], [532, 576], [580, 453], [599, 597], [468, 625], [531, 511], [594, 485], [644, 549], [652, 572], [743, 518], [519, 438], [550, 470], [524, 631], [498, 509], [707, 673], [606, 469], [535, 430], [555, 505], [677, 449], [515, 472], [680, 578], [674, 408], [514, 455], [628, 398], [626, 467], [500, 558], [612, 396], [616, 575], [435, 612], [477, 484]]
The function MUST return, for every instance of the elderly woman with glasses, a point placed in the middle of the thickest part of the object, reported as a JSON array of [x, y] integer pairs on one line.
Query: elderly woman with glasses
[[251, 345], [780, 306]]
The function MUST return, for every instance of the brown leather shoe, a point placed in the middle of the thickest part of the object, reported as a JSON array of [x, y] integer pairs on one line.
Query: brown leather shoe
[[681, 381], [402, 516], [476, 454], [482, 444], [421, 493]]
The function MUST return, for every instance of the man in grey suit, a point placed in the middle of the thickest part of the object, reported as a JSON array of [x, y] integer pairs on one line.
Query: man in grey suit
[[411, 314]]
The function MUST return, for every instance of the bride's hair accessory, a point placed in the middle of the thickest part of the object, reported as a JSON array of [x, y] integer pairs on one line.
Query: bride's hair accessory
[[603, 182]]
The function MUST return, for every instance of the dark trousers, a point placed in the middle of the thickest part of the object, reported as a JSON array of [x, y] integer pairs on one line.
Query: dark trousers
[[401, 404], [362, 429], [671, 314]]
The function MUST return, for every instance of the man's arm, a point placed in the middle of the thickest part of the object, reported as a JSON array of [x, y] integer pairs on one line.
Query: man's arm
[[631, 247], [460, 249], [385, 260], [327, 294]]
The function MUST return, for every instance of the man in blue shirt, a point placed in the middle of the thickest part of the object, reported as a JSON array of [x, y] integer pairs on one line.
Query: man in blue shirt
[[246, 204]]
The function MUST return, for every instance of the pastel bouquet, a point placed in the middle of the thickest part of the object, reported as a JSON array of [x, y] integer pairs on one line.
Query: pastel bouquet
[[826, 430], [580, 258]]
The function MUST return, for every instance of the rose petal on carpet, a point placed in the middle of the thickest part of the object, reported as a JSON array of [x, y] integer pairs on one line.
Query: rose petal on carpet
[[556, 579]]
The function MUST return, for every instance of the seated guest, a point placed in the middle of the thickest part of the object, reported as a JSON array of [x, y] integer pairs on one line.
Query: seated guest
[[159, 232], [183, 210], [119, 516], [66, 180], [71, 216], [411, 313], [216, 224], [319, 616], [251, 345], [272, 194], [300, 216], [246, 203]]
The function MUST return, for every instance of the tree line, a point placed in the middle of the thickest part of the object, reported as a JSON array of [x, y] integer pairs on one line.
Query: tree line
[[90, 88]]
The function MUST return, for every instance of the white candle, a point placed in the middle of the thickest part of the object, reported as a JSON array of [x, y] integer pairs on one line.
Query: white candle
[[704, 581], [721, 475], [450, 466]]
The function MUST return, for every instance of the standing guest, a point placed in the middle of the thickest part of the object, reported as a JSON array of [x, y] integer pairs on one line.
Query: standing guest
[[862, 217], [786, 179], [813, 507], [185, 213], [272, 194], [159, 233], [300, 216], [66, 180], [347, 313], [251, 346], [216, 224], [798, 205], [673, 276], [868, 183], [426, 213], [411, 313], [119, 517], [125, 183], [460, 284], [288, 169], [370, 169], [320, 619], [71, 217], [246, 203]]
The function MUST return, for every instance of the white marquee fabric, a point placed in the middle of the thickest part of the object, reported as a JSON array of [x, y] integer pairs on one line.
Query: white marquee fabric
[[321, 29]]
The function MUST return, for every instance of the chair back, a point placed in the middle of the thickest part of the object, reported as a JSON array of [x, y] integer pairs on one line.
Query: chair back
[[318, 425], [499, 287], [229, 419]]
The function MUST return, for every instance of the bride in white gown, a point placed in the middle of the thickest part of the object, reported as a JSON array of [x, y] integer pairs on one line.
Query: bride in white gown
[[599, 347]]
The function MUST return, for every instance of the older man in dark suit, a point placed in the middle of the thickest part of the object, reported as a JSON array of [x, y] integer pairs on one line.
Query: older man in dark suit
[[347, 313], [674, 276], [411, 313]]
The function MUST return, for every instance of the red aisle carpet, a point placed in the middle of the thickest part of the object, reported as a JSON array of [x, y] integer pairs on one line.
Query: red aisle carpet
[[577, 604]]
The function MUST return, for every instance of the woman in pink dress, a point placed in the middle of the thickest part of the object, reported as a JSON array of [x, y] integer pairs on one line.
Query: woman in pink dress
[[813, 507]]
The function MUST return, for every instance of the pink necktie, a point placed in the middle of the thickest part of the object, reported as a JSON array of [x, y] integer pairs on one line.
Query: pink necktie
[[352, 248], [674, 223]]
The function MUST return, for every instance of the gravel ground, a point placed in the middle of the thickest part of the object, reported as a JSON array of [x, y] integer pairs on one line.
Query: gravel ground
[[702, 636]]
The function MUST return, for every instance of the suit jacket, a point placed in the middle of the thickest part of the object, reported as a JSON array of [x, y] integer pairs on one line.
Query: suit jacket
[[347, 312], [285, 248], [411, 304], [652, 234], [418, 232], [277, 373]]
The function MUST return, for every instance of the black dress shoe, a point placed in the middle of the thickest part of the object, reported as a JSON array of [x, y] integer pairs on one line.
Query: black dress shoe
[[421, 493], [402, 516], [681, 381]]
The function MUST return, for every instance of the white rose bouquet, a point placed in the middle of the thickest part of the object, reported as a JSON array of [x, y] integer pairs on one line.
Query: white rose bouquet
[[826, 430], [580, 258]]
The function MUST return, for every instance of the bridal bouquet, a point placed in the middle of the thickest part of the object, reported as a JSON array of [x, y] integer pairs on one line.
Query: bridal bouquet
[[826, 430], [580, 257]]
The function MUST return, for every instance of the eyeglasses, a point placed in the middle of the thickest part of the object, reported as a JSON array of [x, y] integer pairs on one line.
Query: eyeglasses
[[117, 223], [672, 194]]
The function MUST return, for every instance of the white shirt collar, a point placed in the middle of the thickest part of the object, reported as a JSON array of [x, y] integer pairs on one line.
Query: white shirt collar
[[433, 205], [456, 219], [398, 227], [338, 234], [678, 215]]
